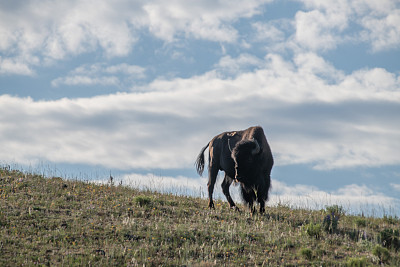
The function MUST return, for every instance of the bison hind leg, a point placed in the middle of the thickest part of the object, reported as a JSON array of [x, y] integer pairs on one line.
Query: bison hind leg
[[212, 177]]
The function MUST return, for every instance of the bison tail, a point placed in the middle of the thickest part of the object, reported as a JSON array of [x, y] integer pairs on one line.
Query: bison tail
[[200, 161]]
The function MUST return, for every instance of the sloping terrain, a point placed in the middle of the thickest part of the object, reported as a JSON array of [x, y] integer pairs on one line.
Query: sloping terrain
[[62, 222]]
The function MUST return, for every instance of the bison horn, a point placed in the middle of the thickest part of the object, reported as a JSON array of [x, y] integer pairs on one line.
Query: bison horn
[[256, 150]]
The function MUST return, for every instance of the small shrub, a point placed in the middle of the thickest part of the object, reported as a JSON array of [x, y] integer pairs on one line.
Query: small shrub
[[353, 234], [335, 209], [313, 230], [360, 222], [382, 253], [306, 253], [331, 220], [320, 252], [143, 201], [356, 262], [330, 223], [390, 219], [390, 238]]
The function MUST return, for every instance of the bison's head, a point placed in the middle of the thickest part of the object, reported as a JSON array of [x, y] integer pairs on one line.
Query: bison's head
[[245, 155]]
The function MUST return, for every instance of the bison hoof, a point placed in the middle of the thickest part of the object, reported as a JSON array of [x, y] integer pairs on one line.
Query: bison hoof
[[211, 205], [253, 211], [235, 208]]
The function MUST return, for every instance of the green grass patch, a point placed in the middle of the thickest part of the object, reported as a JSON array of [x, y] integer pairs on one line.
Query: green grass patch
[[72, 223], [306, 253], [382, 253], [356, 262]]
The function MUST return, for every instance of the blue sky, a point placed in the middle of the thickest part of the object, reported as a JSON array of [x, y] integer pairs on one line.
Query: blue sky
[[139, 87]]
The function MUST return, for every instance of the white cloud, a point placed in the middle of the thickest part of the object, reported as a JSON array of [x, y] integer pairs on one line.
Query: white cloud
[[311, 116], [311, 78], [101, 74], [167, 184], [383, 32], [126, 69], [208, 20], [314, 29], [353, 198], [395, 187], [327, 24], [234, 66], [14, 66], [86, 80], [167, 21], [269, 32], [311, 64], [54, 30], [48, 31]]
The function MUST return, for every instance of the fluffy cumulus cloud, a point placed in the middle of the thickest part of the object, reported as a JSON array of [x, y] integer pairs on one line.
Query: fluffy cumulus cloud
[[328, 24], [210, 20], [314, 29], [15, 66], [54, 30], [383, 31], [34, 32], [313, 114]]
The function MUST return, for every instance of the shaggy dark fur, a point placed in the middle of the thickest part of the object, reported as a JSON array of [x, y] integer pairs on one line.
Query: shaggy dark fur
[[245, 157]]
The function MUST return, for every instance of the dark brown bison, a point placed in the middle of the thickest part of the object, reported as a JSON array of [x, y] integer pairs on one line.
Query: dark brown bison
[[245, 157]]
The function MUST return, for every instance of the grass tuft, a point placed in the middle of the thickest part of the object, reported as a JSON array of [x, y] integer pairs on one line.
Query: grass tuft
[[143, 201], [313, 230], [382, 253], [306, 253], [356, 262]]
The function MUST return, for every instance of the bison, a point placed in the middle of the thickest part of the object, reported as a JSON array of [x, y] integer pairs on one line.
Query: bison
[[246, 158]]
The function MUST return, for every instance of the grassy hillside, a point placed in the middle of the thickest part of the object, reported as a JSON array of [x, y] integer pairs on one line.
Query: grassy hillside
[[61, 222]]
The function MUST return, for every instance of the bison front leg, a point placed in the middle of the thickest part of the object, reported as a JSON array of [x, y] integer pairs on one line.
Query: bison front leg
[[225, 189], [262, 196], [262, 206], [248, 196]]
